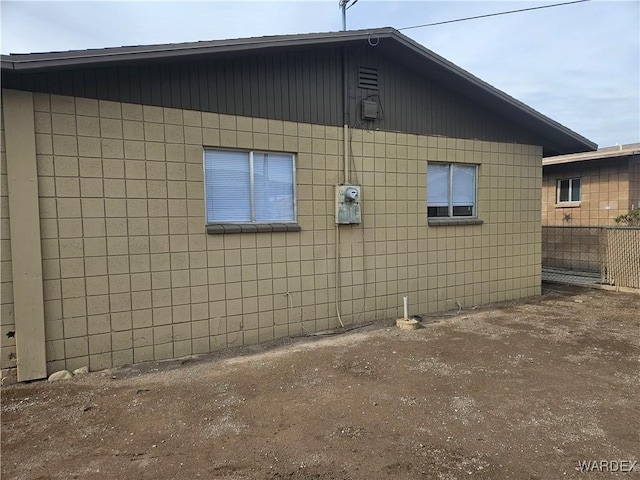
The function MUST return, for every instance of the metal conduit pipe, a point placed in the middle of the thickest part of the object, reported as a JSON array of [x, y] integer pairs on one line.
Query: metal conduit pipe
[[345, 160]]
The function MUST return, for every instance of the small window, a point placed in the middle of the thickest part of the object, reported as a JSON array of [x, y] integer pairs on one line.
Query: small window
[[569, 190], [451, 190], [249, 187]]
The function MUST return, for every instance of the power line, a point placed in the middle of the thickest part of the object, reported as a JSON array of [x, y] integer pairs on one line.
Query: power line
[[493, 14]]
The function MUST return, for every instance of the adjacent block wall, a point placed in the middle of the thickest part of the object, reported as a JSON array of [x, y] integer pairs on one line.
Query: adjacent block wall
[[605, 193], [130, 274], [634, 183]]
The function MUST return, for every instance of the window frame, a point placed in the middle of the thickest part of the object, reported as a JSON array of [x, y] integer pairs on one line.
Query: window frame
[[252, 225], [473, 218], [571, 181]]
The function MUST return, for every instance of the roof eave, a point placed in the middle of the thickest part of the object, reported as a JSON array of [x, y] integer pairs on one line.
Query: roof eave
[[590, 156], [38, 61], [559, 139], [584, 143]]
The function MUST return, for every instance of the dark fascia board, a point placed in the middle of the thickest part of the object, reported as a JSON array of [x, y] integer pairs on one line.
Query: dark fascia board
[[36, 61], [559, 139]]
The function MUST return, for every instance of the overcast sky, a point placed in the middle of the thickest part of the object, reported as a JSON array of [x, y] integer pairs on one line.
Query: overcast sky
[[578, 64]]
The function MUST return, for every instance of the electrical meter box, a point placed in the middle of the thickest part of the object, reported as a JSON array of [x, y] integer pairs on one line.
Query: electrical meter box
[[348, 204], [369, 110]]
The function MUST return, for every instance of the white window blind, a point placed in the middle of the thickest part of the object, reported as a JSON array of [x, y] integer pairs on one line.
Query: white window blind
[[464, 185], [451, 190], [228, 186], [438, 185], [247, 187], [273, 183]]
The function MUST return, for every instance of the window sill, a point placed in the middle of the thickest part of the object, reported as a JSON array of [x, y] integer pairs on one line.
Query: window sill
[[436, 222], [568, 205], [218, 228]]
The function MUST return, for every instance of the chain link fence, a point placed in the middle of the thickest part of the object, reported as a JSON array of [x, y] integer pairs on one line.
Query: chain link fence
[[609, 255]]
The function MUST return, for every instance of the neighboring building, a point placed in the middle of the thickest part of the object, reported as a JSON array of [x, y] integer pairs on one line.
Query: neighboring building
[[592, 188], [169, 200]]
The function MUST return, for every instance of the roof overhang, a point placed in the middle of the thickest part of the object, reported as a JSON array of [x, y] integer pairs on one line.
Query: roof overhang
[[607, 153], [557, 138], [182, 51]]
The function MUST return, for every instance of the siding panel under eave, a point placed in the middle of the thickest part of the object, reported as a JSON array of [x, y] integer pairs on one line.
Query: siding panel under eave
[[134, 75], [243, 94], [90, 86], [306, 94], [53, 83], [296, 85], [212, 83], [29, 82], [79, 83], [278, 94], [238, 86], [203, 86], [225, 94], [145, 90], [100, 79], [124, 84], [270, 86], [173, 74], [335, 91], [194, 86], [160, 94], [16, 82], [113, 85], [66, 83], [252, 82], [283, 83], [291, 86], [316, 85]]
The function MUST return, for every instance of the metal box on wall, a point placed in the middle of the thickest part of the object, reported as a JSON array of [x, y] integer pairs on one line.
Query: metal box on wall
[[348, 204], [369, 110]]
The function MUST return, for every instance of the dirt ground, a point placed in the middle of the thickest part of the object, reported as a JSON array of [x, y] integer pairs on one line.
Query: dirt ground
[[521, 390]]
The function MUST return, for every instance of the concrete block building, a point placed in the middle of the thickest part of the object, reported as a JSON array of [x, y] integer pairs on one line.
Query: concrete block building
[[591, 188], [170, 200]]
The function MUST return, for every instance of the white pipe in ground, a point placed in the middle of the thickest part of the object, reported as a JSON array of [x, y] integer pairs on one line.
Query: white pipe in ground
[[407, 323]]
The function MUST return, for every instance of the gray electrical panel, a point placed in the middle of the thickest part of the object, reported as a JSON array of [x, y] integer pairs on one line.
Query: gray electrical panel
[[369, 110], [348, 204]]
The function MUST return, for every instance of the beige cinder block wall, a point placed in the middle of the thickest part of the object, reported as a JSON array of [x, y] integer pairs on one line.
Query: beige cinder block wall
[[130, 274], [605, 192]]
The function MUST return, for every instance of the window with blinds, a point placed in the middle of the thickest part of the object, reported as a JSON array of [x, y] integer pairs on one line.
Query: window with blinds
[[451, 190], [249, 187]]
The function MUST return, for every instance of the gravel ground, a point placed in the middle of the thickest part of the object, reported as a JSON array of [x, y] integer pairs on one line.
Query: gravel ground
[[521, 390]]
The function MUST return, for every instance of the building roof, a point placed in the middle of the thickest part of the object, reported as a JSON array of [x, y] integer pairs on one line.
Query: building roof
[[600, 154], [559, 139]]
